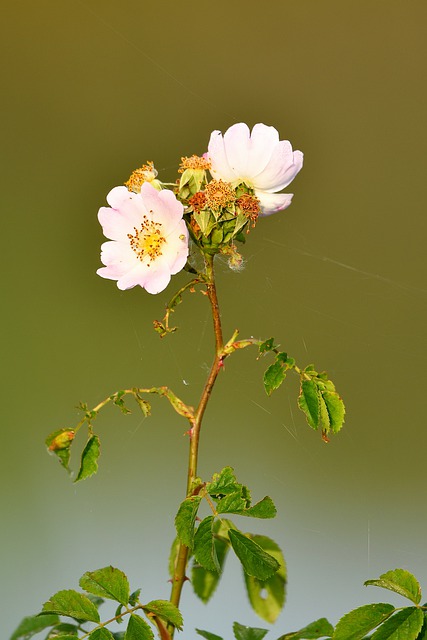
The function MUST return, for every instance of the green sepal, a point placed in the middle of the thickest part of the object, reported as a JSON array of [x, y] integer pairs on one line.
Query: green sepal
[[400, 581], [203, 580], [138, 629], [204, 547], [357, 623], [59, 444], [321, 628], [165, 610], [255, 561], [72, 604], [108, 582], [33, 624], [406, 623], [267, 597], [208, 635], [89, 459], [185, 520], [248, 633], [101, 634]]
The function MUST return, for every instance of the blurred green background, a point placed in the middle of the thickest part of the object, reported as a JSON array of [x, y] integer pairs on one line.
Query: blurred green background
[[91, 90]]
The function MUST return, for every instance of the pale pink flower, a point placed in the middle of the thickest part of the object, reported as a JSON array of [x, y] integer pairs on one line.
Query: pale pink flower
[[148, 238], [259, 159]]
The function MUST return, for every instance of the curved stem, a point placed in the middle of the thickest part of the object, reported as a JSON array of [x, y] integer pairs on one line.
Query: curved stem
[[182, 557]]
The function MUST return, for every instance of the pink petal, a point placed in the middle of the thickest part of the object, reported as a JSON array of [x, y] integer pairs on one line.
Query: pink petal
[[114, 225], [237, 144], [273, 202], [263, 141], [281, 170], [220, 169], [157, 281]]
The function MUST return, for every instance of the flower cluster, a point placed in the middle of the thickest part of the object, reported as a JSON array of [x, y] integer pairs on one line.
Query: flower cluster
[[149, 226]]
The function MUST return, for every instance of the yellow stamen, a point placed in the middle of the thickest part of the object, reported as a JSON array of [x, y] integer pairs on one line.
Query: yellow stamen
[[147, 240], [194, 162], [146, 173], [219, 194]]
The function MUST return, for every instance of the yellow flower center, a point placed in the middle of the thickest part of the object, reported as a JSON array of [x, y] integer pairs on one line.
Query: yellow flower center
[[219, 194], [147, 240], [146, 173], [194, 162]]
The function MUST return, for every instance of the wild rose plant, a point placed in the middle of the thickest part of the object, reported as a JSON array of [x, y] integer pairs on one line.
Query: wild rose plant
[[154, 230]]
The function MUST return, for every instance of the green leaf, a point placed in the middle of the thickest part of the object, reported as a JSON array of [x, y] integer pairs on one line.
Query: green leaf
[[266, 346], [263, 509], [405, 624], [204, 582], [63, 630], [357, 623], [33, 624], [308, 402], [400, 581], [273, 377], [231, 503], [108, 583], [165, 610], [319, 629], [173, 555], [185, 520], [248, 633], [336, 409], [101, 634], [138, 629], [143, 404], [204, 547], [208, 635], [89, 459], [255, 561], [223, 483], [59, 443], [72, 604], [134, 597], [267, 597], [117, 398]]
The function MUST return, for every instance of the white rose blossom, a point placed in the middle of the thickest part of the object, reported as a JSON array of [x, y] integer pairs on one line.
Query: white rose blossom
[[259, 159], [148, 238]]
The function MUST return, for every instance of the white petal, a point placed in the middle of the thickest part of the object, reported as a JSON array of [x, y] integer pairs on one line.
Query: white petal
[[273, 202], [220, 169], [114, 225], [281, 170], [236, 144], [136, 276], [263, 141], [157, 281]]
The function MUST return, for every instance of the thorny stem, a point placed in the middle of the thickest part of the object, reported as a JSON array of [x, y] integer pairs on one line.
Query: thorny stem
[[182, 557]]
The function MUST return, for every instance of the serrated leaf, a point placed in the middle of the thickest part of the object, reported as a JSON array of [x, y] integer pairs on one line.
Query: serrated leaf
[[248, 633], [33, 624], [101, 634], [204, 582], [208, 635], [72, 604], [138, 629], [273, 377], [108, 582], [400, 581], [267, 597], [61, 630], [266, 346], [89, 459], [231, 503], [265, 508], [204, 547], [185, 520], [255, 561], [319, 629], [308, 402], [223, 483], [335, 408], [165, 610], [357, 623], [405, 624]]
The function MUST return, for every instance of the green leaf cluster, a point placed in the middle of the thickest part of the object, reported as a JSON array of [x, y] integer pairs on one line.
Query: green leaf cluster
[[106, 583], [209, 542]]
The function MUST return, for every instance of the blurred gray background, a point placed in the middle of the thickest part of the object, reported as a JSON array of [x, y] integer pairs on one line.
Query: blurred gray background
[[91, 90]]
